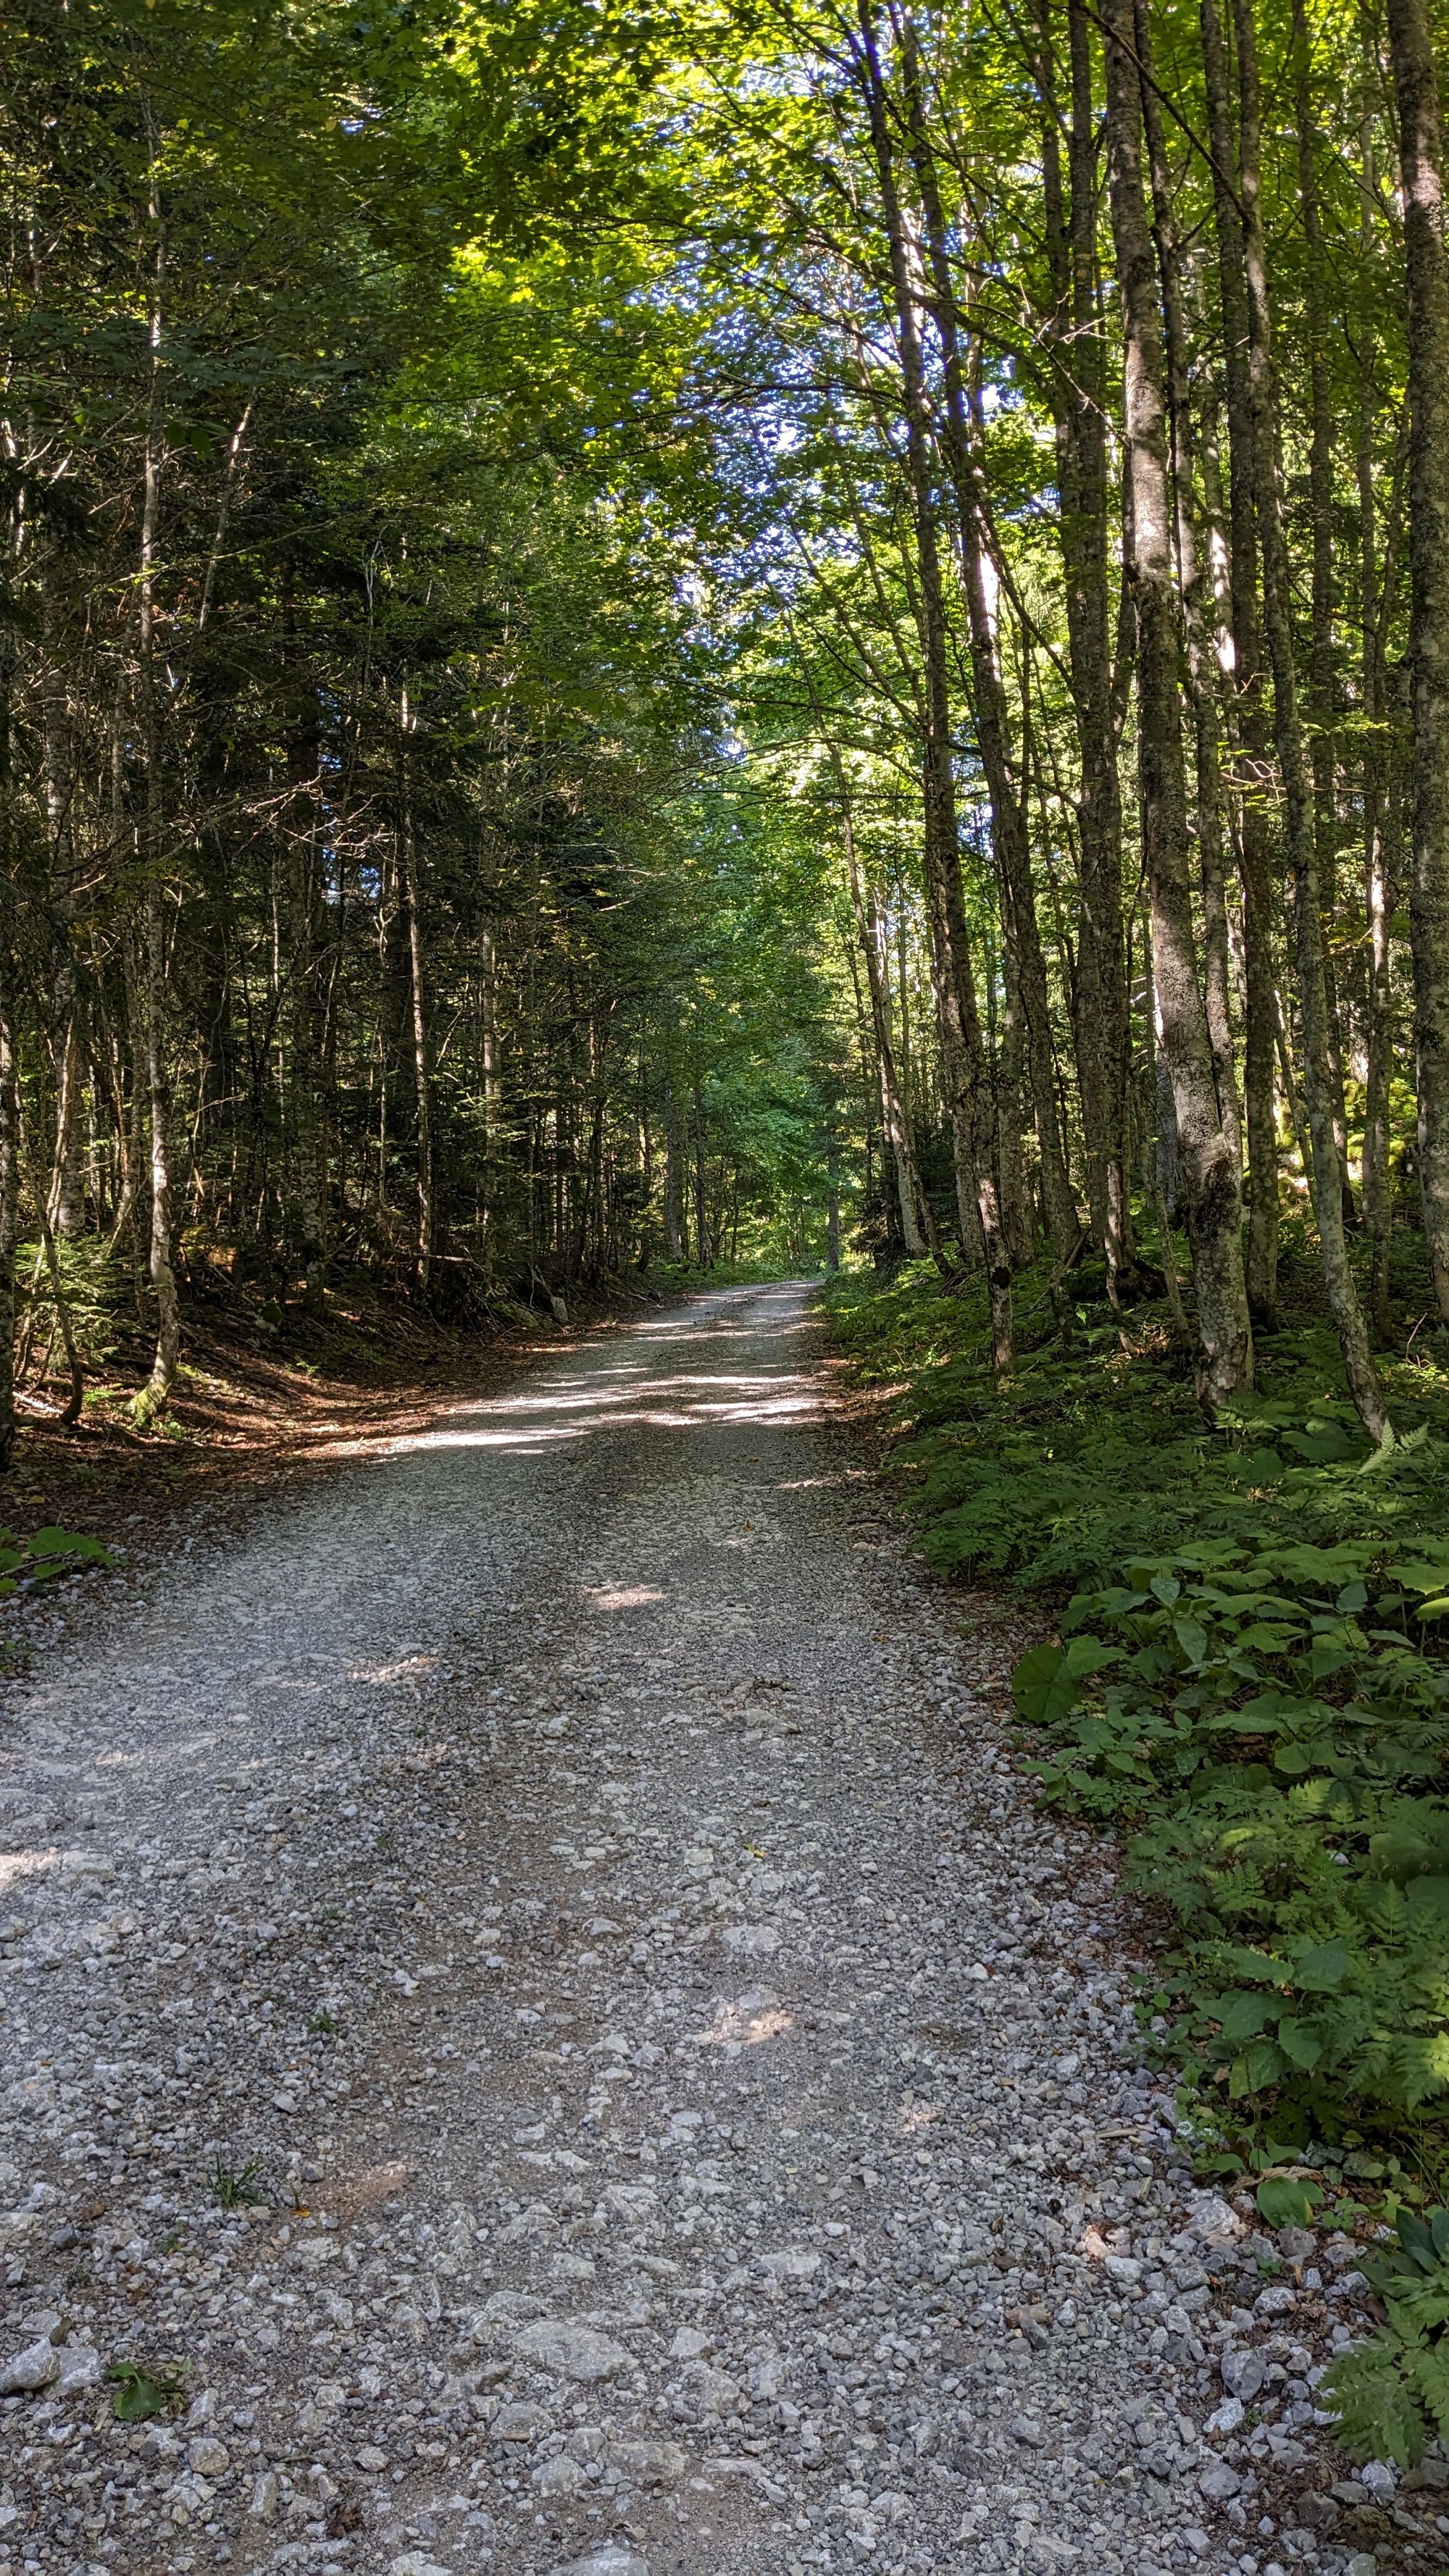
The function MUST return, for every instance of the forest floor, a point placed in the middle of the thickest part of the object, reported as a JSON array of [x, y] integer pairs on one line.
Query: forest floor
[[533, 1996], [255, 1399]]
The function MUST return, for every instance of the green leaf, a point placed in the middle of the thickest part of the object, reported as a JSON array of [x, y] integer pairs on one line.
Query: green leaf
[[1046, 1684], [1283, 2203], [1379, 2417], [1257, 2068], [1244, 2016], [142, 2391], [1191, 1636], [1301, 2044], [1321, 1970]]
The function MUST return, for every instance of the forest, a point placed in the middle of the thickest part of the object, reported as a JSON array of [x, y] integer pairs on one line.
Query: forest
[[770, 638], [621, 632]]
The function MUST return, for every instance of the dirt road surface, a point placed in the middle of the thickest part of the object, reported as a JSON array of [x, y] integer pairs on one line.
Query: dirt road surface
[[533, 1995]]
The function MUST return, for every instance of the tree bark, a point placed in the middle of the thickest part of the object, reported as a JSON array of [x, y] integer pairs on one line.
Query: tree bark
[[1377, 802], [1343, 1301], [1252, 765], [422, 1074], [154, 1395], [1322, 758], [1421, 161], [1078, 387], [960, 432], [1211, 1178], [1192, 589], [963, 1060]]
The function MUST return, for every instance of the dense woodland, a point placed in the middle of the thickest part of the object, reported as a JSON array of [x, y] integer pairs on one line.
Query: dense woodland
[[803, 635], [637, 638]]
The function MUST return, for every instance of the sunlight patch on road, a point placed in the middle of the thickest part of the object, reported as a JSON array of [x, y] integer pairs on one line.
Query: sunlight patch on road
[[734, 2028]]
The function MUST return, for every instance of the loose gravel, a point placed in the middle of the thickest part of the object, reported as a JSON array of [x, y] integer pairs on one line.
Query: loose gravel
[[530, 1986]]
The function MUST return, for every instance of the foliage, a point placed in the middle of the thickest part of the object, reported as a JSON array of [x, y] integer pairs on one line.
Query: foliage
[[146, 2388], [236, 2186], [44, 1556], [1392, 2391], [1249, 1683]]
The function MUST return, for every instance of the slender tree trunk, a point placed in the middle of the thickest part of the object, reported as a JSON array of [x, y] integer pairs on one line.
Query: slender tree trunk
[[422, 1075], [963, 1060], [1322, 758], [1212, 1181], [960, 431], [701, 1193], [1343, 1301], [9, 1137], [64, 1184], [1017, 1218], [1192, 587], [154, 1395], [1421, 160], [1378, 895], [1078, 381], [307, 1122], [674, 1248], [1249, 715], [9, 1096]]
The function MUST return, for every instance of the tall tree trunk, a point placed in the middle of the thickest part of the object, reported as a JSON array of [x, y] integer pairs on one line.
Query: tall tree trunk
[[1078, 387], [9, 1133], [701, 1192], [1018, 1223], [422, 1074], [1320, 510], [1211, 1178], [1249, 715], [675, 1248], [1421, 160], [64, 1183], [1378, 895], [960, 431], [307, 1123], [1343, 1301], [962, 1053], [154, 1395], [9, 1097], [1192, 587]]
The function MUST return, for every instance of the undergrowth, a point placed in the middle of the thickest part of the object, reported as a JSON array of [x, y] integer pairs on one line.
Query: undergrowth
[[1249, 1685]]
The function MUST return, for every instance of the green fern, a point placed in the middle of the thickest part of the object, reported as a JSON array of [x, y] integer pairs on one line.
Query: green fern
[[1379, 2414]]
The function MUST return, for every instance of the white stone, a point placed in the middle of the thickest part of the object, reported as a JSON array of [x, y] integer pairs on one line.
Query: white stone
[[574, 2352], [38, 2366], [612, 2560], [1219, 2483], [649, 2464], [1243, 2373], [750, 1940], [559, 2476]]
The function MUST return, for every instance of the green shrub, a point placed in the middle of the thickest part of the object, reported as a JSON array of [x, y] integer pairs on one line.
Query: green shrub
[[1249, 1685], [1388, 2393]]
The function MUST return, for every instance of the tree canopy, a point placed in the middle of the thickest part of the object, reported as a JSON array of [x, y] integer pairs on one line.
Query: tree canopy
[[636, 636]]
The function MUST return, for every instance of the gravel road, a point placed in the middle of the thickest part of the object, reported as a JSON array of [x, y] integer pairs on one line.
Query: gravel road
[[529, 1980]]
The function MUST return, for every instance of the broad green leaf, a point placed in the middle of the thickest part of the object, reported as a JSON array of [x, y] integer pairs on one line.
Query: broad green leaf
[[1285, 2203], [1301, 2044], [1321, 1970]]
